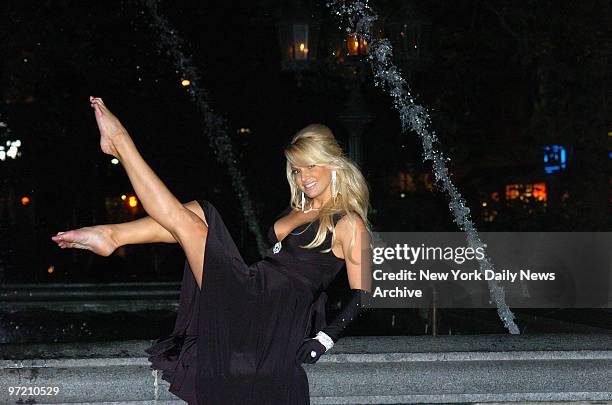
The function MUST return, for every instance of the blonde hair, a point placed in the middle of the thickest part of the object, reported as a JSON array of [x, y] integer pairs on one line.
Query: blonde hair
[[316, 145]]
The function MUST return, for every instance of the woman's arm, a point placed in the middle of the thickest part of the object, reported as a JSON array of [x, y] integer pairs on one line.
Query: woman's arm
[[358, 267], [358, 257]]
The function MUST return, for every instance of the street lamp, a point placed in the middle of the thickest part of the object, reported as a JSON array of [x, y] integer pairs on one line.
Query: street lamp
[[298, 35], [356, 45], [355, 114]]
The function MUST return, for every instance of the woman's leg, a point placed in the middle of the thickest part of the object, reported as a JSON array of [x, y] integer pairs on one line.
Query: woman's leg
[[156, 199], [147, 230], [104, 239], [186, 227]]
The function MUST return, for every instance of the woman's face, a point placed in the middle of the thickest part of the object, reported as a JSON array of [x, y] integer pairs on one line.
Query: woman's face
[[313, 180]]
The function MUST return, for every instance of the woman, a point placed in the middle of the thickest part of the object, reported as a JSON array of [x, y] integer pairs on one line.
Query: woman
[[242, 332]]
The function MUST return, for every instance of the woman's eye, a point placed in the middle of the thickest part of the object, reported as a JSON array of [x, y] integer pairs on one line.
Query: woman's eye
[[294, 171]]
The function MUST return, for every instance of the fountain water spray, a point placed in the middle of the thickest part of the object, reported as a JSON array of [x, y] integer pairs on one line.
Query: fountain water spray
[[155, 385], [216, 127], [360, 17]]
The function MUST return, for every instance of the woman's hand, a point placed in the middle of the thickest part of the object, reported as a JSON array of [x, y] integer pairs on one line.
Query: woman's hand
[[310, 351], [112, 133]]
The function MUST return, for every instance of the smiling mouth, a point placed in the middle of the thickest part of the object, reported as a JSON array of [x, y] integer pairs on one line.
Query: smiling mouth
[[309, 186]]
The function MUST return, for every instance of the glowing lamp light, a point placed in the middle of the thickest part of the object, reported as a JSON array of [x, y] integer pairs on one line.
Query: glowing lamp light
[[132, 201], [356, 45], [185, 82], [25, 200], [298, 36], [123, 197], [51, 269]]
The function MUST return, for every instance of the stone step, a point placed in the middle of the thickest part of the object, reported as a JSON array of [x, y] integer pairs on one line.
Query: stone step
[[94, 297], [358, 370]]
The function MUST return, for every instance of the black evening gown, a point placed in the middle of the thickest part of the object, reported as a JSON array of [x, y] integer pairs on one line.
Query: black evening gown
[[235, 341]]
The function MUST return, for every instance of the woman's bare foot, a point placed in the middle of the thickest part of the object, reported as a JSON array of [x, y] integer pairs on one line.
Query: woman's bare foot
[[98, 239], [112, 133]]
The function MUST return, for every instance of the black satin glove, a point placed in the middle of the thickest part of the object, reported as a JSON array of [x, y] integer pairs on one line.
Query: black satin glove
[[351, 311], [310, 351], [313, 348]]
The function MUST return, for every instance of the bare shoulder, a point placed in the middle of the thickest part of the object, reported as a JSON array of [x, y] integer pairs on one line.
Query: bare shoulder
[[348, 225], [349, 232]]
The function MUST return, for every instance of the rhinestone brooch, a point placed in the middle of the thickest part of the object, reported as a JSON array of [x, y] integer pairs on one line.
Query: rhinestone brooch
[[277, 247]]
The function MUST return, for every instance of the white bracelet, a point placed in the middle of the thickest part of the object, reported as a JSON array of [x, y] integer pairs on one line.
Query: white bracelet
[[325, 340]]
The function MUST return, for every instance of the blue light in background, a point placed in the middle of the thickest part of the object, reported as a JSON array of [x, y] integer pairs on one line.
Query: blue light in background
[[555, 158]]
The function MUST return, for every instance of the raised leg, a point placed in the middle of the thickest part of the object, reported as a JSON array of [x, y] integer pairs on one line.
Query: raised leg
[[155, 197], [103, 240], [185, 226], [147, 230]]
